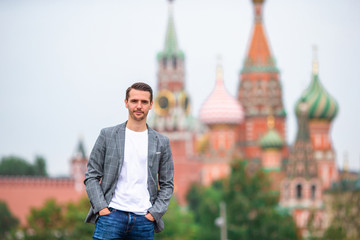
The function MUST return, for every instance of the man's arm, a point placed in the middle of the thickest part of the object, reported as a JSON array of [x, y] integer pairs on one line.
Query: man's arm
[[166, 183], [94, 173]]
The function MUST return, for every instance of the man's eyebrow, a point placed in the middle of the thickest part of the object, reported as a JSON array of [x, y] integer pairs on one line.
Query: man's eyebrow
[[136, 100]]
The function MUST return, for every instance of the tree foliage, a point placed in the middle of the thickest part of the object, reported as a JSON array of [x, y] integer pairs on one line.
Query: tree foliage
[[7, 221], [56, 221], [16, 166], [345, 223], [251, 207], [179, 224]]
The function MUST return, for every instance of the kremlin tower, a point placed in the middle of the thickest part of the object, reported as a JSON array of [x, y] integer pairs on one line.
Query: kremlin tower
[[171, 104], [78, 167], [260, 92], [221, 113], [172, 111]]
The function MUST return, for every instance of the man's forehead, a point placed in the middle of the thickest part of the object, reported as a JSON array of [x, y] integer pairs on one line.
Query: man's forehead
[[134, 93]]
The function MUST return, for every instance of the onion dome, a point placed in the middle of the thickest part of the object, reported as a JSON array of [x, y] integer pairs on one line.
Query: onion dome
[[220, 106], [272, 138], [320, 104]]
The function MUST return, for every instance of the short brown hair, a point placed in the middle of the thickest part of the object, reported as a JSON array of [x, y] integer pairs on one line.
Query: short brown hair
[[142, 87]]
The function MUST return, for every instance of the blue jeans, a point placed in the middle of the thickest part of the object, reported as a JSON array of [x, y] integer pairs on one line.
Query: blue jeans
[[119, 225]]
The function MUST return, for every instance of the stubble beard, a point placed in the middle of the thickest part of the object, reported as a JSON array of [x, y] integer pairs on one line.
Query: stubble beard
[[134, 117]]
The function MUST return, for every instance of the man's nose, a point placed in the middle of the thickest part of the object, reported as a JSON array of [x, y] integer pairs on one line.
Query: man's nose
[[138, 105]]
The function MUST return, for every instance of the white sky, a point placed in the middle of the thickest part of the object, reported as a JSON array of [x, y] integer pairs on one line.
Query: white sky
[[65, 65]]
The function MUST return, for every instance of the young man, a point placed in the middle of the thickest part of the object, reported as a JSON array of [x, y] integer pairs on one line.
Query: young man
[[129, 178]]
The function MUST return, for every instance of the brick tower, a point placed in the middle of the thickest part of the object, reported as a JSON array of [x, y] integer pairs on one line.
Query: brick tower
[[259, 91], [301, 190], [78, 167], [172, 111], [322, 110]]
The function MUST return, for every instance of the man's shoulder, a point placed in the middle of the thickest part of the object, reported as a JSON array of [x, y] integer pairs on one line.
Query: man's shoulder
[[113, 129]]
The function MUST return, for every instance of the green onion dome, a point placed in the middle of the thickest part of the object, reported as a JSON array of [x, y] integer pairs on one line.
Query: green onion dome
[[271, 139], [321, 104]]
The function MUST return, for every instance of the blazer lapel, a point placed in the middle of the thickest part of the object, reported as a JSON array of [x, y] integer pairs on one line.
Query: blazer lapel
[[152, 145], [120, 143]]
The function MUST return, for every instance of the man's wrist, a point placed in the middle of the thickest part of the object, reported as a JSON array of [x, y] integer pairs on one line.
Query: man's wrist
[[104, 211], [150, 217]]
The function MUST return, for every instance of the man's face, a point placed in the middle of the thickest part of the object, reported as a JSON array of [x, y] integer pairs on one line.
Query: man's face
[[138, 104]]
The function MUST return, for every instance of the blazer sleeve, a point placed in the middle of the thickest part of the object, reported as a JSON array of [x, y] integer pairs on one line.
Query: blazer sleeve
[[94, 174], [166, 183]]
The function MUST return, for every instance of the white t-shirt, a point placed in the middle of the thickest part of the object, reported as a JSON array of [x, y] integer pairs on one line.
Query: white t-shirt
[[131, 193]]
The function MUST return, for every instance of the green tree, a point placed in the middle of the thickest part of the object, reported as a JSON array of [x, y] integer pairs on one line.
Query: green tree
[[204, 203], [16, 166], [179, 224], [40, 166], [251, 207], [7, 221], [74, 224], [46, 222], [345, 223], [13, 165], [56, 221]]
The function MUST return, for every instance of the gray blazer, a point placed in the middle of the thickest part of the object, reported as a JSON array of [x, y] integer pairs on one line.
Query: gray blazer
[[105, 164]]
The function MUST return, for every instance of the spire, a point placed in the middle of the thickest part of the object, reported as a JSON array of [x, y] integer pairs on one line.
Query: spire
[[258, 5], [259, 57], [219, 71], [80, 150], [315, 68], [171, 48]]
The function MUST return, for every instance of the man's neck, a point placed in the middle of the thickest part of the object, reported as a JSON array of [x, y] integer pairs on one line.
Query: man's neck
[[137, 126]]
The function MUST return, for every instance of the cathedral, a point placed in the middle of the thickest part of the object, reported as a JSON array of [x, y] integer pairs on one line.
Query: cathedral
[[250, 126]]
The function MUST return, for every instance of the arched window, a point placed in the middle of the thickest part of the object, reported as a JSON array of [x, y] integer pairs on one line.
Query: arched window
[[313, 191], [298, 191]]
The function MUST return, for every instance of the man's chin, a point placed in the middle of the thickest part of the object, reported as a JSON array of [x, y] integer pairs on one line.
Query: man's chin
[[140, 118]]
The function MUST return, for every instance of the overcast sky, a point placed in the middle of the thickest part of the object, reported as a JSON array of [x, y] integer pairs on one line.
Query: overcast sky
[[65, 65]]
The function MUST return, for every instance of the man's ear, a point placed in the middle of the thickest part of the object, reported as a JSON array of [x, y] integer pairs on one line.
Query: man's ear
[[126, 103], [151, 104]]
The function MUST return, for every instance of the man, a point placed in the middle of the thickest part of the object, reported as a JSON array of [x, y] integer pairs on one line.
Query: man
[[129, 179]]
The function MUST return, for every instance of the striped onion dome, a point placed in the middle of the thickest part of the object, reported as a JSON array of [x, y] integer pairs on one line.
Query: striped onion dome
[[272, 138], [220, 106], [321, 104]]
